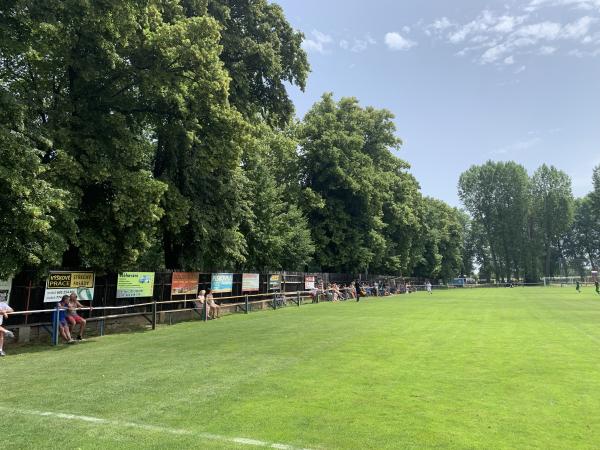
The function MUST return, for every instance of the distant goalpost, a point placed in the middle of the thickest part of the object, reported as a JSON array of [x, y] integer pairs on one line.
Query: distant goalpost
[[570, 281]]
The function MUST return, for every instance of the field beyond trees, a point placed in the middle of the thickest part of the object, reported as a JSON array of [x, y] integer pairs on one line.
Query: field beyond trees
[[476, 368]]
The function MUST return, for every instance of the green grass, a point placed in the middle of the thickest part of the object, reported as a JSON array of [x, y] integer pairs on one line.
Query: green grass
[[488, 368]]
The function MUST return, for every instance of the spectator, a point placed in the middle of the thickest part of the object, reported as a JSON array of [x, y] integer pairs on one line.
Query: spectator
[[214, 310], [4, 310], [335, 291], [63, 325], [200, 302], [73, 318], [357, 287]]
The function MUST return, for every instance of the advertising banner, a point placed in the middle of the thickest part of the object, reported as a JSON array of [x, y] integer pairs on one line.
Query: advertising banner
[[221, 282], [61, 283], [250, 282], [5, 286], [309, 282], [135, 284], [275, 282], [184, 283]]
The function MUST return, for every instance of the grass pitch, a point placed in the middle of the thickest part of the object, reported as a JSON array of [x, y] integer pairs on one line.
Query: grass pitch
[[481, 368]]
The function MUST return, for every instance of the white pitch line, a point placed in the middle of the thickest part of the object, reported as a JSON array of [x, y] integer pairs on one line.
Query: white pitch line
[[161, 429]]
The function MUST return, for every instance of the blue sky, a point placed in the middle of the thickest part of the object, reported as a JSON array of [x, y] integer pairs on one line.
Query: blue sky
[[467, 80]]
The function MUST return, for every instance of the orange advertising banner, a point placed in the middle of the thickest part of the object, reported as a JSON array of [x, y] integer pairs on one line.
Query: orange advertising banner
[[184, 283]]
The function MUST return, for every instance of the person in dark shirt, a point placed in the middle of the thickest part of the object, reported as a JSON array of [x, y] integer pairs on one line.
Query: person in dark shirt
[[357, 287]]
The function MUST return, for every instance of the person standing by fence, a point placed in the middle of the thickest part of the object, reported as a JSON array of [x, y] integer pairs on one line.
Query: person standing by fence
[[4, 310], [357, 287]]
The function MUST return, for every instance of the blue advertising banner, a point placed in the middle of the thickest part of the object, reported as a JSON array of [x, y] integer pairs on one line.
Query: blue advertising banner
[[221, 282]]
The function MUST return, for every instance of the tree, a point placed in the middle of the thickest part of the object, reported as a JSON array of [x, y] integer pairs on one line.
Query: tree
[[442, 240], [552, 201], [242, 55], [342, 145], [595, 194], [34, 215], [76, 71], [583, 239], [496, 195], [262, 53], [276, 231]]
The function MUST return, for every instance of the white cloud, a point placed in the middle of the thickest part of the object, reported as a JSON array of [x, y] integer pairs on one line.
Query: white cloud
[[579, 28], [535, 5], [539, 31], [318, 43], [441, 24], [507, 24], [500, 38], [547, 50], [358, 45], [395, 41], [510, 60]]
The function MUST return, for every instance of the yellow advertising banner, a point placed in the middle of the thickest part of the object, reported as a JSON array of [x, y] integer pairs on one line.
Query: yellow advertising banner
[[64, 283]]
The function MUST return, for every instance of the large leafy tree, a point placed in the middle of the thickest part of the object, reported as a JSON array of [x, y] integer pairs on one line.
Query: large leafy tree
[[442, 241], [34, 215], [245, 54], [363, 206], [496, 194], [341, 143], [595, 194], [261, 53], [583, 241], [276, 231], [552, 210], [76, 68]]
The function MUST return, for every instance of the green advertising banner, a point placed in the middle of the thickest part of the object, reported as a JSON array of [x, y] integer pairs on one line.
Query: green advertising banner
[[135, 284]]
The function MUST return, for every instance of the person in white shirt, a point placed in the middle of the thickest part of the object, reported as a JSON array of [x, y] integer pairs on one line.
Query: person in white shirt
[[428, 287], [4, 310], [214, 311]]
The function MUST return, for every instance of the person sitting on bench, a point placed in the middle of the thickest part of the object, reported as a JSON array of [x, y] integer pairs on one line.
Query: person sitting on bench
[[214, 310]]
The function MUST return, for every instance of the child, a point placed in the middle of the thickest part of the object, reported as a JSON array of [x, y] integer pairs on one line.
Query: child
[[4, 310], [428, 287]]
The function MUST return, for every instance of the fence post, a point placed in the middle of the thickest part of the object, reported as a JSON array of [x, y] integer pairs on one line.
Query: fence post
[[55, 323], [154, 314], [298, 298], [246, 298], [28, 298]]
